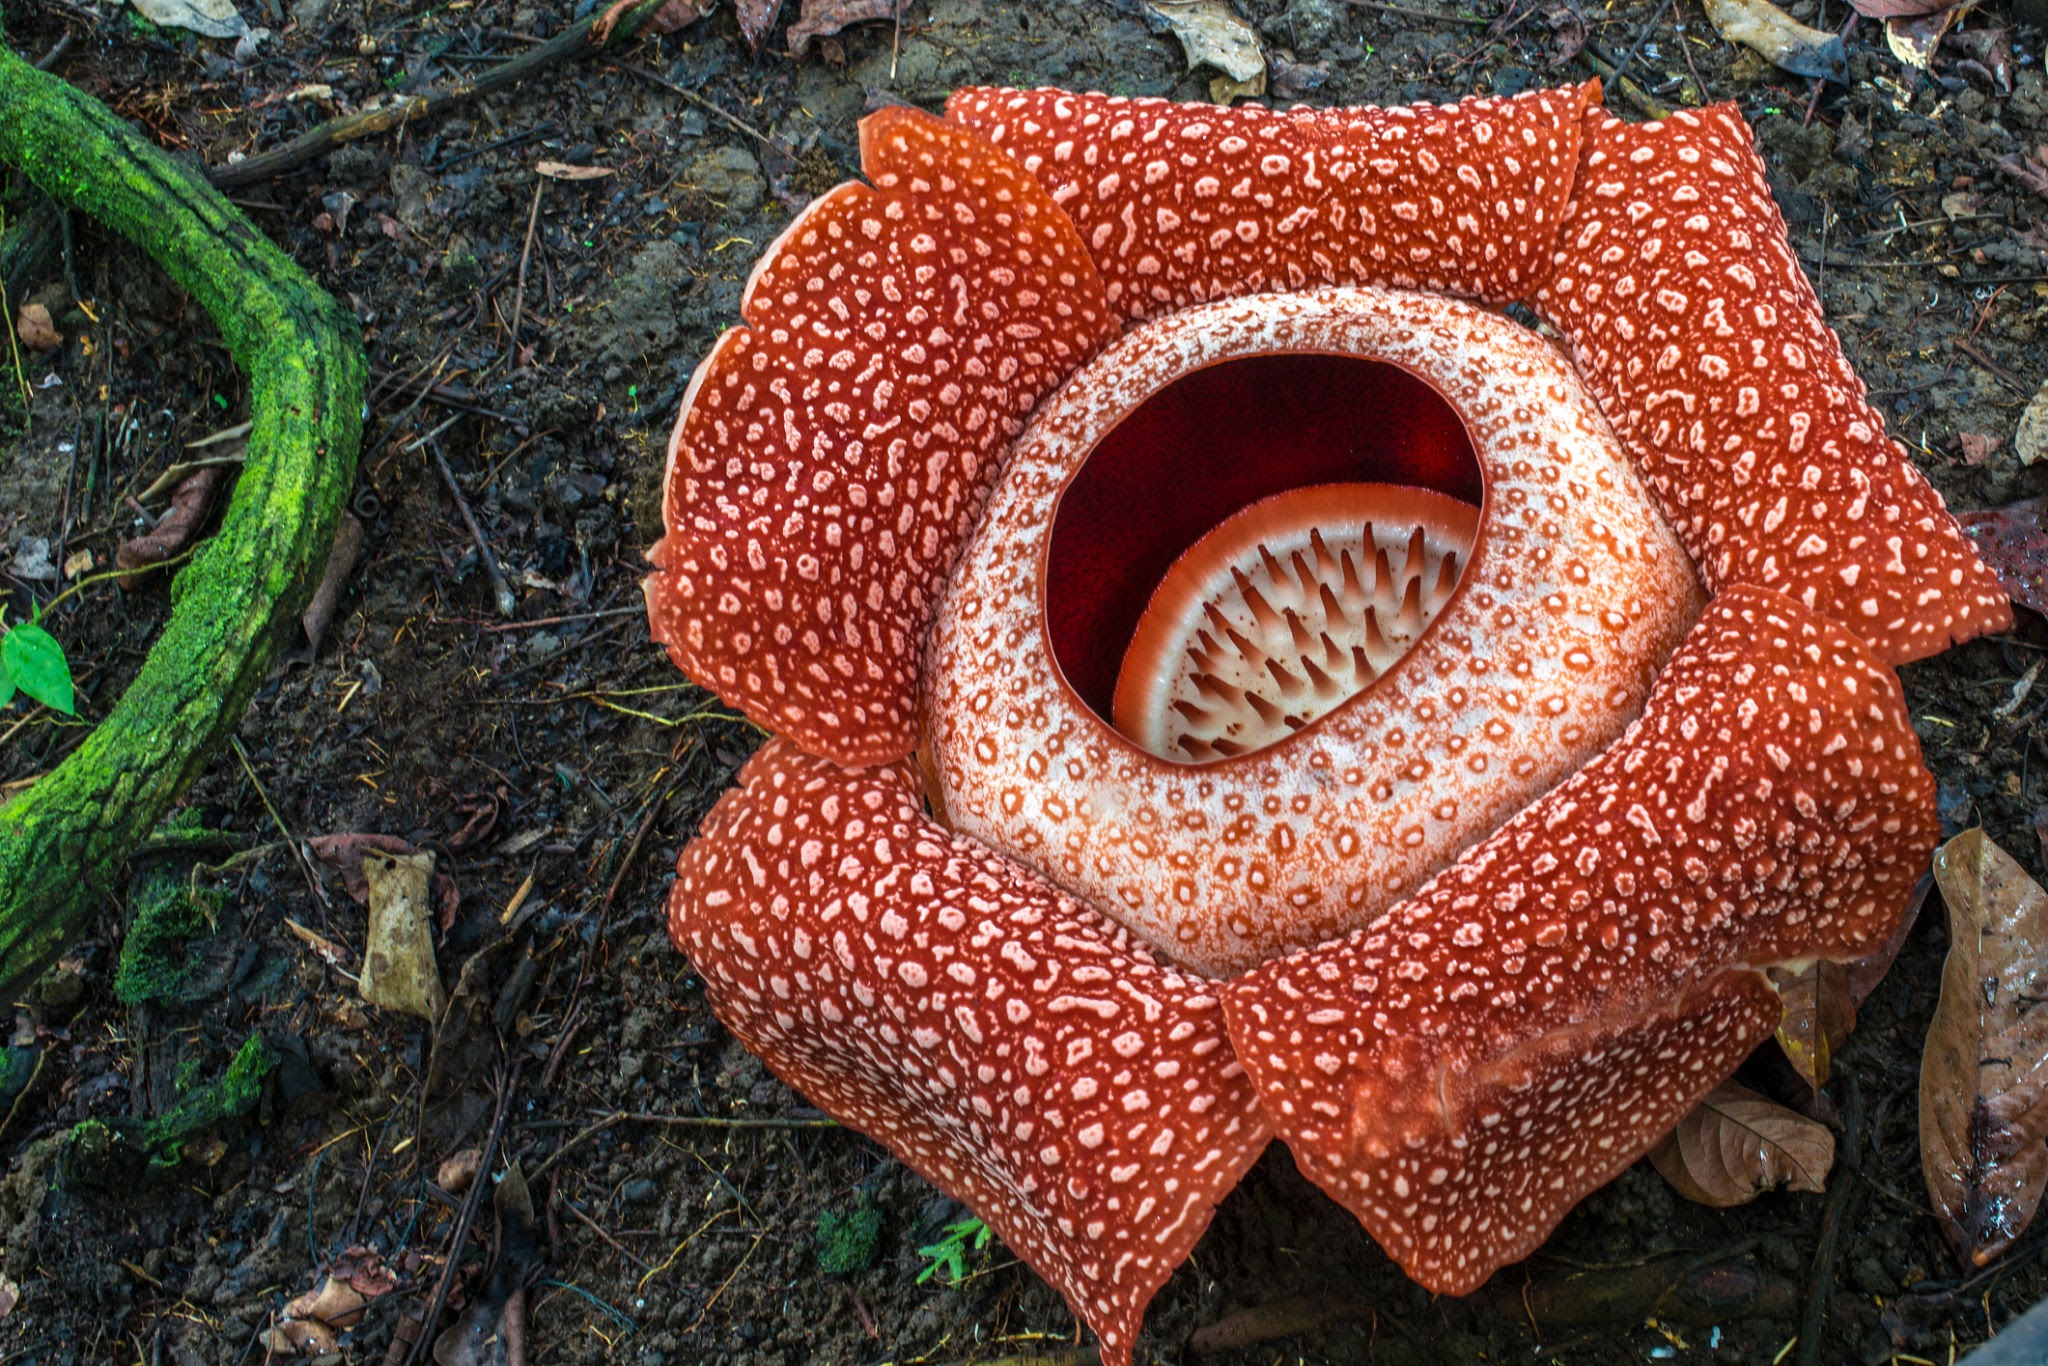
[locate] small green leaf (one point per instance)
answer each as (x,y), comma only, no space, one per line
(35,662)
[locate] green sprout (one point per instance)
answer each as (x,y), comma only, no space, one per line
(33,663)
(951,1251)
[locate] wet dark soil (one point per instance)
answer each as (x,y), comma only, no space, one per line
(555,762)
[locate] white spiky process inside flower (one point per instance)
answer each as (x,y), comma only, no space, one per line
(1285,611)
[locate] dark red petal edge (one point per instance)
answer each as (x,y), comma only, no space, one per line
(1180,204)
(1467,1070)
(832,455)
(1019,1051)
(1693,325)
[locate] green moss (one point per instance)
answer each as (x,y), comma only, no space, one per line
(199,1107)
(155,964)
(846,1242)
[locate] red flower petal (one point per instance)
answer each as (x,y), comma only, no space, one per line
(1007,1042)
(1180,204)
(1468,1069)
(1694,326)
(832,455)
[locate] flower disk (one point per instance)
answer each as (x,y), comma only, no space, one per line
(1001,1038)
(1507,1041)
(831,456)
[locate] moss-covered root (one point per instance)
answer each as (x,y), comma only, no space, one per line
(63,841)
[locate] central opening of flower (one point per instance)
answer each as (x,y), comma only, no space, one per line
(1254,543)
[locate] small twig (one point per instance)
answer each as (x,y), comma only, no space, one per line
(1833,1215)
(26,1087)
(598,1229)
(540,185)
(592,1130)
(305,865)
(423,1345)
(1382,6)
(507,602)
(765,139)
(574,42)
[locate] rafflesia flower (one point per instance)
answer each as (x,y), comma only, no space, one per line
(1230,681)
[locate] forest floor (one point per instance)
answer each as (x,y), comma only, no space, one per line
(556,761)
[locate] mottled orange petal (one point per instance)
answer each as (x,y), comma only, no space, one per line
(1019,1051)
(1467,1070)
(1181,203)
(832,455)
(1692,323)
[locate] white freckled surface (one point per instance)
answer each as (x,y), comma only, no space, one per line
(1034,1119)
(1182,204)
(1734,395)
(1576,593)
(815,496)
(1606,1002)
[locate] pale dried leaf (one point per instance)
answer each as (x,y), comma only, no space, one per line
(399,971)
(1780,39)
(1212,34)
(562,170)
(1984,1074)
(32,324)
(2030,442)
(1913,38)
(209,18)
(1736,1144)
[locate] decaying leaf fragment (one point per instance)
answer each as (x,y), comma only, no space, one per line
(1821,1002)
(1984,1075)
(399,971)
(1737,1144)
(1212,34)
(1780,39)
(823,18)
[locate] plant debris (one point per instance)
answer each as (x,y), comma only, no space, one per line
(1736,1144)
(1984,1075)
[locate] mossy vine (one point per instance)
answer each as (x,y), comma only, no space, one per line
(62,842)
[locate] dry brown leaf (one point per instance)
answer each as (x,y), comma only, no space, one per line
(1914,37)
(1736,1144)
(1899,9)
(179,527)
(823,18)
(1984,1074)
(757,17)
(1818,1016)
(32,324)
(1821,1003)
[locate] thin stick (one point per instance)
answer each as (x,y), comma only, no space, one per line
(574,42)
(540,184)
(305,866)
(507,602)
(1420,13)
(590,1131)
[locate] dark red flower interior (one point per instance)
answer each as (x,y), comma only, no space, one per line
(1208,445)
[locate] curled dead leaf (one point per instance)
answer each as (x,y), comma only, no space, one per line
(1736,1144)
(823,18)
(1780,39)
(178,528)
(1984,1074)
